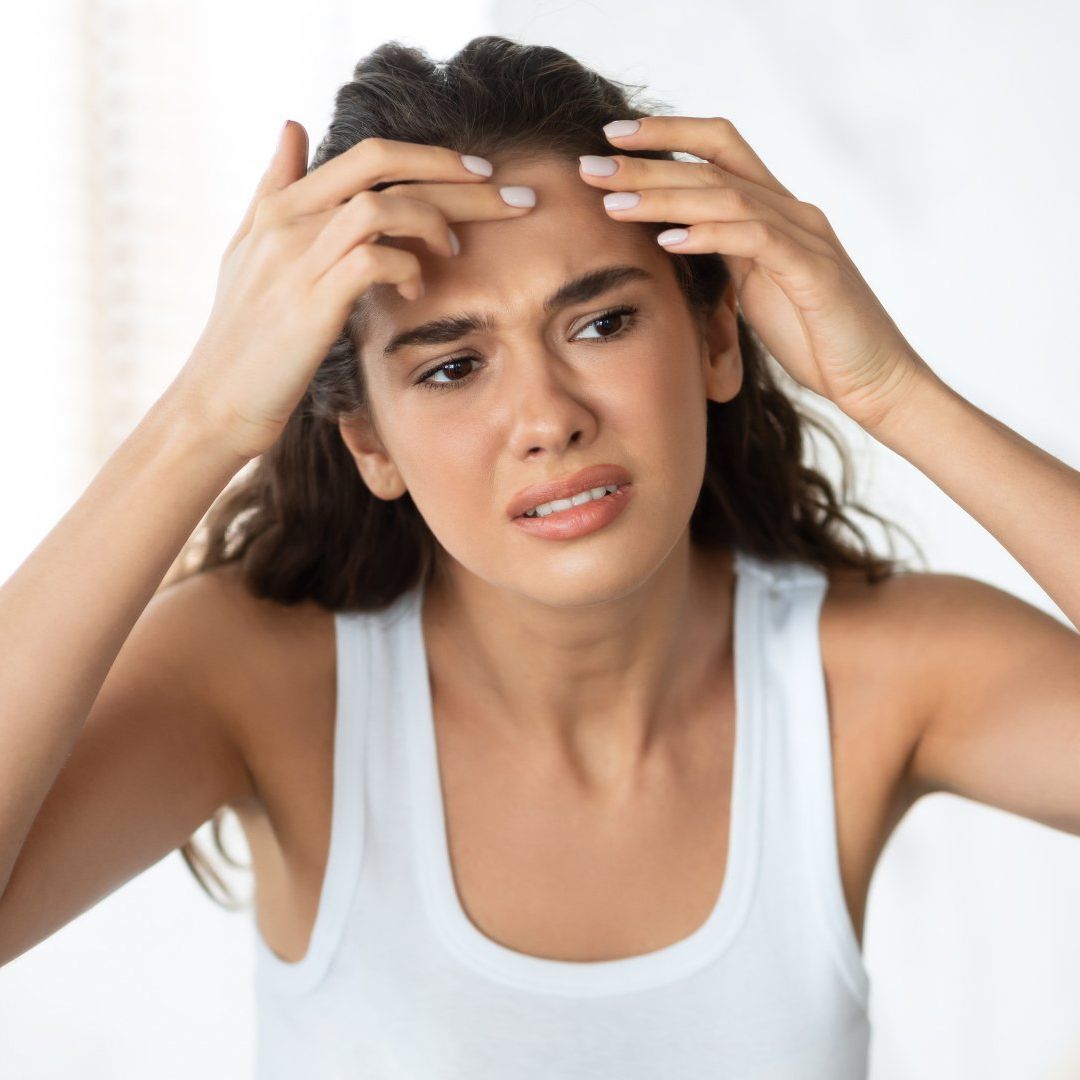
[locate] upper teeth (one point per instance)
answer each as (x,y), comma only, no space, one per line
(564,504)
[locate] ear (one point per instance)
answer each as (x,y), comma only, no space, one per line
(720,353)
(378,471)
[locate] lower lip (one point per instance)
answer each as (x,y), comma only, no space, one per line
(578,520)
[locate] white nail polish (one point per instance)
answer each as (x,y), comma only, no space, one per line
(596,165)
(516,195)
(480,166)
(672,236)
(621,200)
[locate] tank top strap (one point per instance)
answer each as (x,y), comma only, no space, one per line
(800,845)
(354,663)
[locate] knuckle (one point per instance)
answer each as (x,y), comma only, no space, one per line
(818,219)
(710,174)
(723,124)
(365,205)
(815,217)
(375,148)
(762,233)
(434,219)
(274,242)
(739,201)
(269,210)
(365,259)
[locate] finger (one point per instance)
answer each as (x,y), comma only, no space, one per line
(472,202)
(634,174)
(713,138)
(691,206)
(768,245)
(366,265)
(455,202)
(288,164)
(368,215)
(377,161)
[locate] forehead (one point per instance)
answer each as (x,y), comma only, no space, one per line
(510,265)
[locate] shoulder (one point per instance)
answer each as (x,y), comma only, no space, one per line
(919,612)
(938,642)
(262,662)
(901,621)
(215,609)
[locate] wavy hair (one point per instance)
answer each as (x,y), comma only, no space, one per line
(299,518)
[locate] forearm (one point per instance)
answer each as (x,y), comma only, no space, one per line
(1025,497)
(67,610)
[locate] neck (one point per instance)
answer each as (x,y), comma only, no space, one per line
(598,684)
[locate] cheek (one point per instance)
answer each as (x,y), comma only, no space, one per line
(448,466)
(663,415)
(664,388)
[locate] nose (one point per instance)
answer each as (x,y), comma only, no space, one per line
(549,405)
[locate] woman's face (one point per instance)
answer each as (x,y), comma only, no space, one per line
(544,393)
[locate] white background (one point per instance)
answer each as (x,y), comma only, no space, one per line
(940,140)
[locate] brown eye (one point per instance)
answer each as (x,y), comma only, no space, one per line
(609,319)
(622,315)
(439,384)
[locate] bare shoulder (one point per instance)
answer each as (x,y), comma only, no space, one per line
(934,624)
(240,622)
(939,647)
(892,629)
(269,666)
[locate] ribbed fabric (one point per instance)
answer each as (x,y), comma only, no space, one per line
(399,983)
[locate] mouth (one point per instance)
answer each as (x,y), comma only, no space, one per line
(562,506)
(578,519)
(559,494)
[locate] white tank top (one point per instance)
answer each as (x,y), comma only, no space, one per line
(399,983)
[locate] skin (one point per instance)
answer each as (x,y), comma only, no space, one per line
(936,682)
(589,645)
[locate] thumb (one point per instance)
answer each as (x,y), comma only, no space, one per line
(289,163)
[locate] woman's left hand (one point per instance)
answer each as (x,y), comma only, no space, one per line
(795,283)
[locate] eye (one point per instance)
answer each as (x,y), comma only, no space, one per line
(625,315)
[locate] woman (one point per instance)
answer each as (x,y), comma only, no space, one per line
(564,725)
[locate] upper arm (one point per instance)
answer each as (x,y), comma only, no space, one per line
(1003,726)
(155,759)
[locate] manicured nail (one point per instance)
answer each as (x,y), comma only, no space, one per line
(518,196)
(673,236)
(594,165)
(455,243)
(478,165)
(617,128)
(621,200)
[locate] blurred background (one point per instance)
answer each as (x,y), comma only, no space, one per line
(941,142)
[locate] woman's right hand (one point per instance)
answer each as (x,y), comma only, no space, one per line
(304,253)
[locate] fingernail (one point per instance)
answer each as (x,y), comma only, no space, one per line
(518,196)
(617,128)
(621,200)
(673,236)
(594,165)
(478,165)
(455,243)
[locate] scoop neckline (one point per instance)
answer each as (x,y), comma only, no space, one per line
(587,977)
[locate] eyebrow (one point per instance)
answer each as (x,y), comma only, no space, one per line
(578,290)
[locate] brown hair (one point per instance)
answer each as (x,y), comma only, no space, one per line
(301,521)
